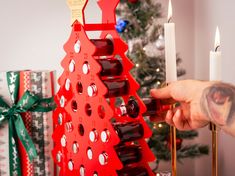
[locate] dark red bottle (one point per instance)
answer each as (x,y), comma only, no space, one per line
(132,109)
(157,106)
(104,47)
(130,131)
(133,171)
(110,67)
(154,107)
(129,154)
(116,88)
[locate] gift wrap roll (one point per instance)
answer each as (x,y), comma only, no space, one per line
(38,124)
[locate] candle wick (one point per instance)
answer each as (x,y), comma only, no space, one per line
(217,47)
(169,20)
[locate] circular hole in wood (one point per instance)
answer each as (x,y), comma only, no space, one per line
(82,170)
(69,127)
(92,90)
(93,135)
(105,136)
(74,106)
(88,109)
(81,129)
(77,47)
(85,68)
(70,165)
(60,119)
(101,111)
(75,147)
(79,88)
(72,66)
(89,153)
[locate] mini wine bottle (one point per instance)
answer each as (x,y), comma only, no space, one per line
(104,47)
(129,154)
(154,107)
(130,131)
(109,67)
(115,88)
(133,171)
(157,106)
(132,109)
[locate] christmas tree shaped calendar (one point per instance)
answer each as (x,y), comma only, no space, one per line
(91,137)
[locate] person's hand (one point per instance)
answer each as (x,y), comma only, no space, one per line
(189,115)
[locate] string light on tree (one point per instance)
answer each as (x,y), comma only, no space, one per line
(155,126)
(158,70)
(160,125)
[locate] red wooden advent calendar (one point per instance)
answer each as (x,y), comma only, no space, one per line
(90,137)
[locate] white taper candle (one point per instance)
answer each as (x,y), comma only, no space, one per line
(170,51)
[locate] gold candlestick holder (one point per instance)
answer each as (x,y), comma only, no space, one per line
(173,140)
(214,138)
(173,150)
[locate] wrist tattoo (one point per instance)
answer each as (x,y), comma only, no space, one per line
(218,103)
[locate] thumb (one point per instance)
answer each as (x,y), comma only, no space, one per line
(161,93)
(176,90)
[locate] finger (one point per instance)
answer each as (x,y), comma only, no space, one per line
(180,121)
(169,118)
(161,93)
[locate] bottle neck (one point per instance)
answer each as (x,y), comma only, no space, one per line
(122,110)
(92,90)
(131,109)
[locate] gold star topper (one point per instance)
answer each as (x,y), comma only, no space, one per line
(76,7)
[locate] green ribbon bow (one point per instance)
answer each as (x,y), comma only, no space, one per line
(17,130)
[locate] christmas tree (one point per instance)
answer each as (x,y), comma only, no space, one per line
(139,26)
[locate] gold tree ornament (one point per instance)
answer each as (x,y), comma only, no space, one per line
(76,7)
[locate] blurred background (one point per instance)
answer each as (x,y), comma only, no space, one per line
(33,32)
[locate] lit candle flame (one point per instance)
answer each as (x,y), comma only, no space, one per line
(217,39)
(169,11)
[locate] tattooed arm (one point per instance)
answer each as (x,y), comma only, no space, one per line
(201,102)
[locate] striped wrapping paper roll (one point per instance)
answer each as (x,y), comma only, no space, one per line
(38,124)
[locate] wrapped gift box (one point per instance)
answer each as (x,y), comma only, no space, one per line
(38,124)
